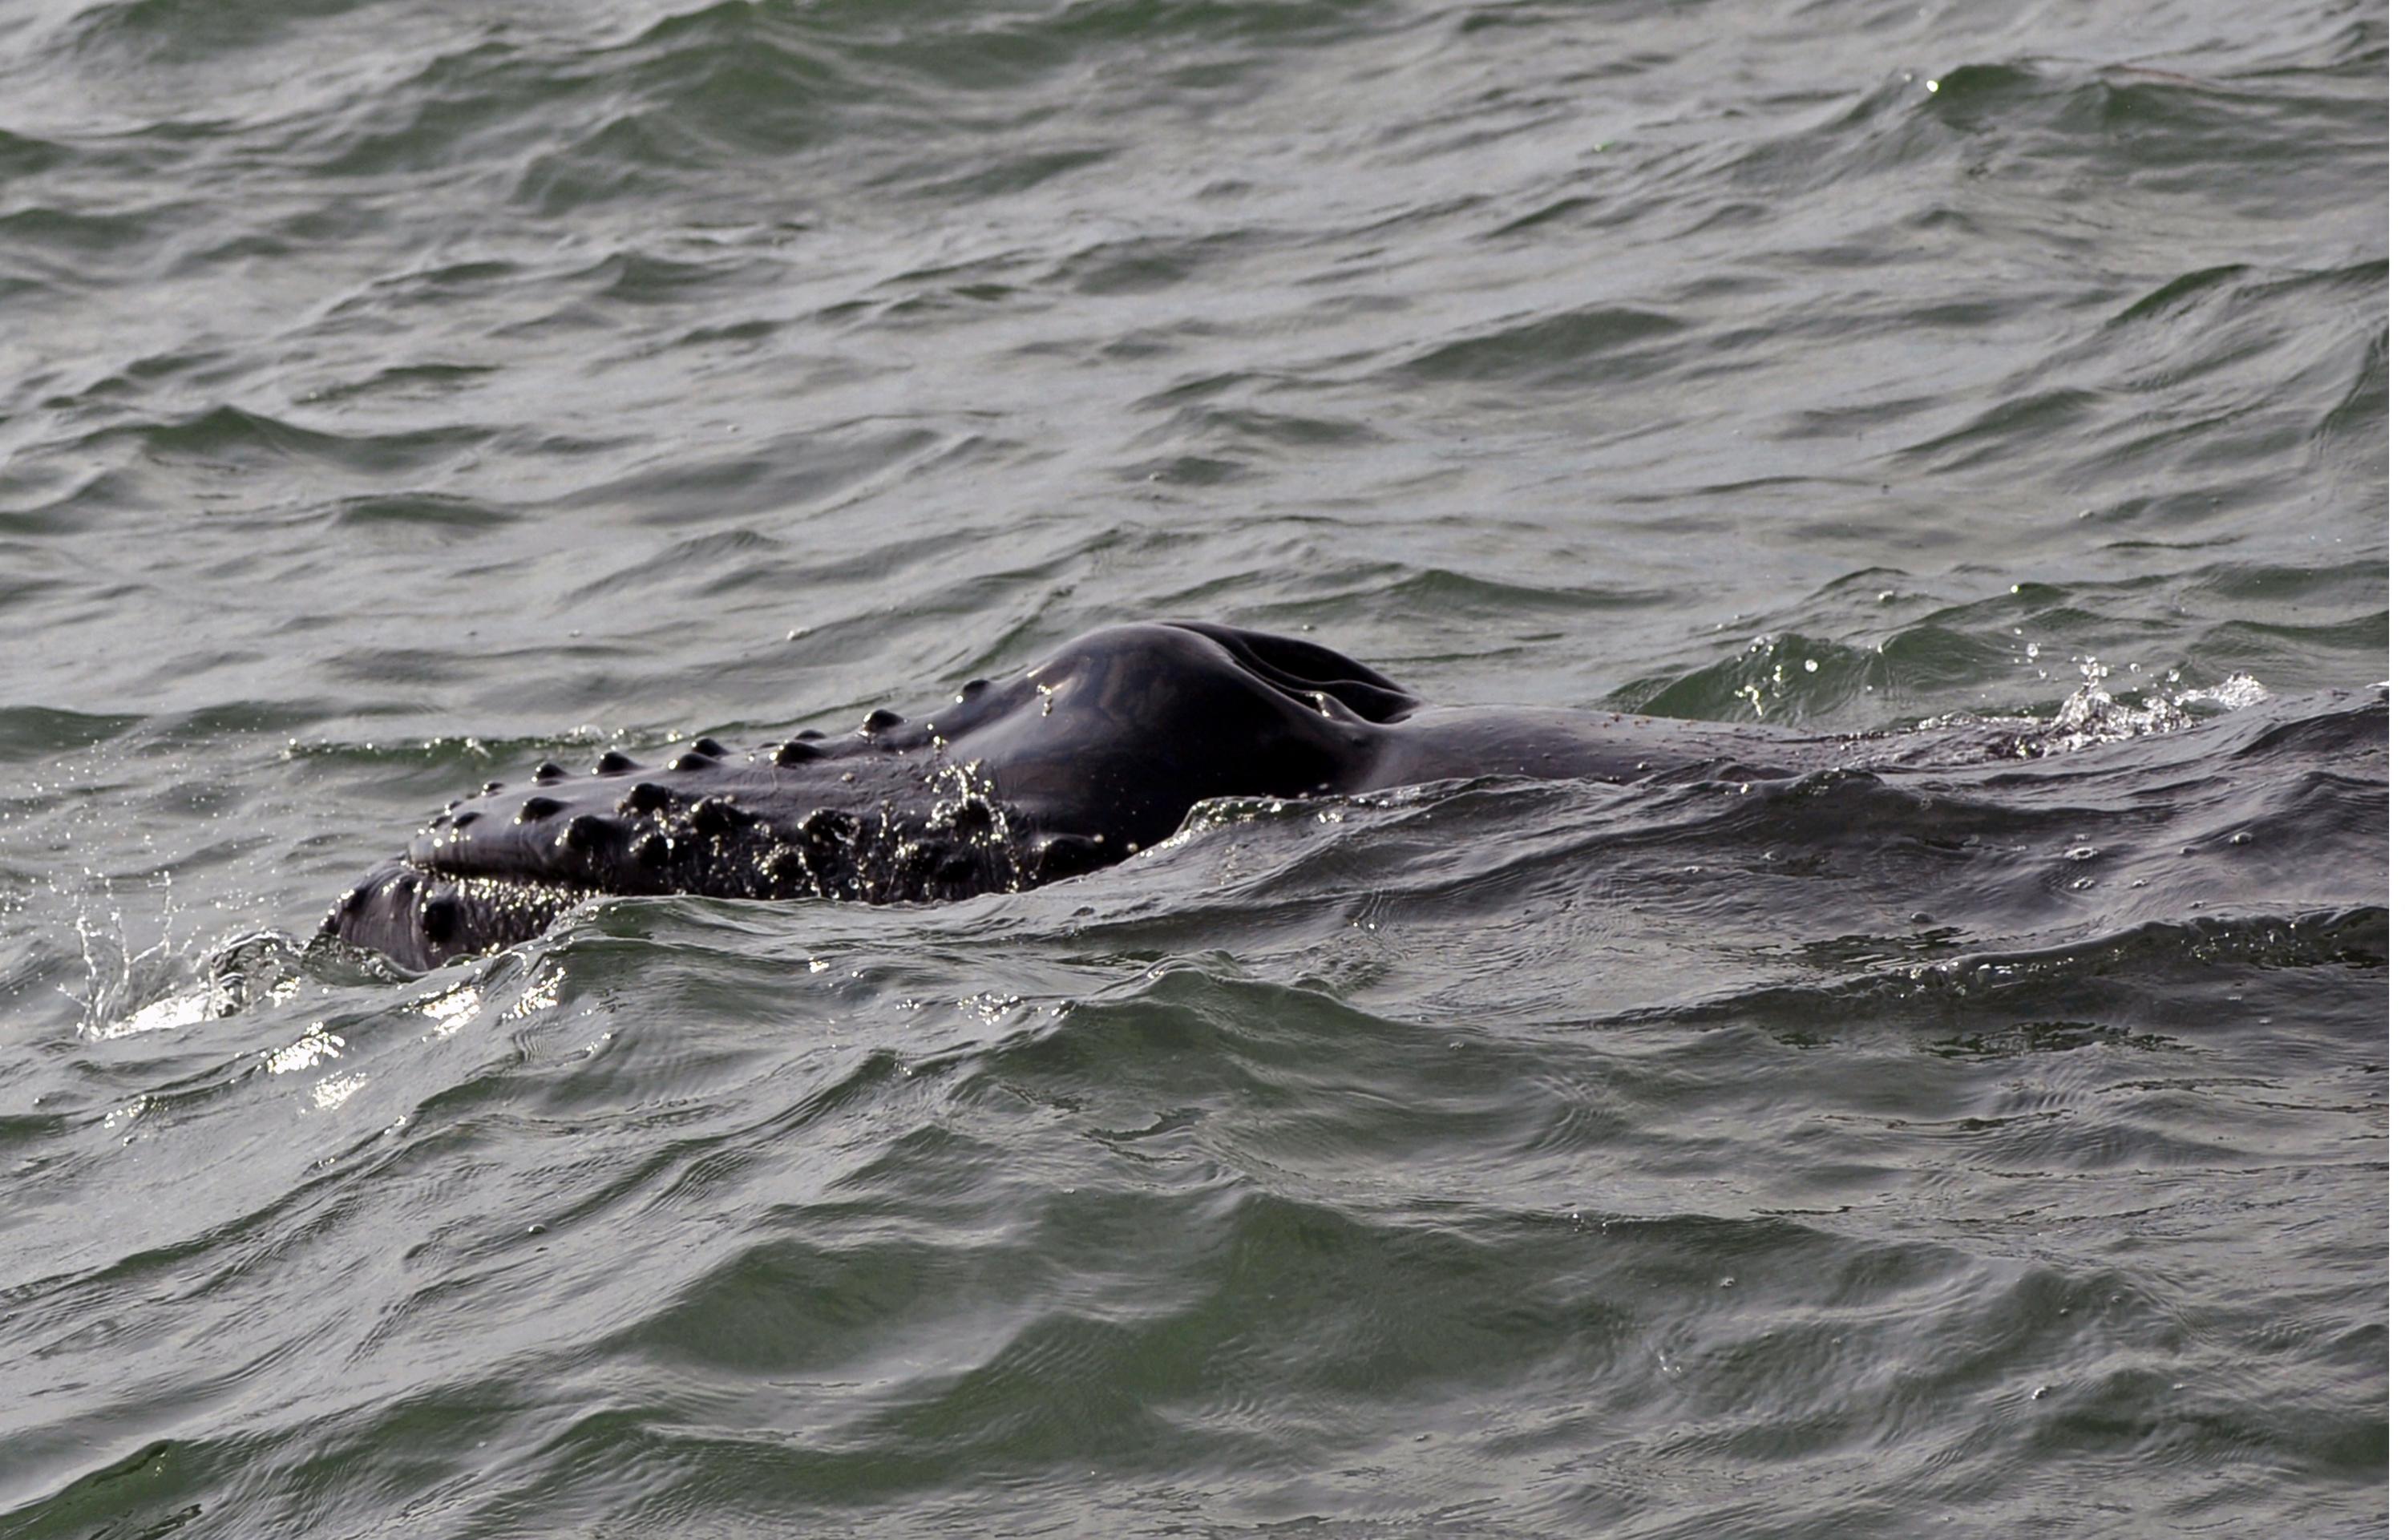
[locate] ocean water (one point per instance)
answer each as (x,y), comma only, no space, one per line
(394,395)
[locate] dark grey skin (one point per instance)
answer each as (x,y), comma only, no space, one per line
(1088,756)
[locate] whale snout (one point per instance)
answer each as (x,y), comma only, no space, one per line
(1094,753)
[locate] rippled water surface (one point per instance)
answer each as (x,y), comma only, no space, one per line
(393,395)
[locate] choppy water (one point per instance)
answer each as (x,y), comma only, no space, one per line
(391,396)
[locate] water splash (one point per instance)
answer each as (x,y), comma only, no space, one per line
(118,970)
(2093,714)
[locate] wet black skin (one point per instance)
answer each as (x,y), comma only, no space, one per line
(1079,761)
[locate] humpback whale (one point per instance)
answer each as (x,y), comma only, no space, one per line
(1088,757)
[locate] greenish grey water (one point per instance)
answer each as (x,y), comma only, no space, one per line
(392,397)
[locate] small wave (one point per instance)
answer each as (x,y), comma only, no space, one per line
(1579,347)
(2060,997)
(231,435)
(1800,680)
